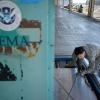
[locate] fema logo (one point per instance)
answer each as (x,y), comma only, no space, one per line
(7,16)
(10,16)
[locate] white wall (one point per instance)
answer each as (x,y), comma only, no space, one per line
(59,3)
(66,2)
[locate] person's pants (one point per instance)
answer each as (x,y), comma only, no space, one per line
(94,84)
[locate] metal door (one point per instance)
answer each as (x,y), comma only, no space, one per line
(26,49)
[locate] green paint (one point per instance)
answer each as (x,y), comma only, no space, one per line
(24,41)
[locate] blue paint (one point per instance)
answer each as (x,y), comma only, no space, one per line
(30,1)
(63,58)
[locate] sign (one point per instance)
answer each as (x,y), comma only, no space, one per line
(10,16)
(18,45)
(24,41)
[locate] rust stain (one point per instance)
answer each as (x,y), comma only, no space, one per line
(8,50)
(30,24)
(34,44)
(23,49)
(1,49)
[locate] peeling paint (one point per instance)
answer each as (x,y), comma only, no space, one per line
(6,74)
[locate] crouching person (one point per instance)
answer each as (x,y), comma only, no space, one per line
(88,55)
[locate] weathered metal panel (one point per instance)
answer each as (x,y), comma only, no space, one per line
(27,52)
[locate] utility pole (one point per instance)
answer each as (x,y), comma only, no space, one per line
(63,3)
(70,5)
(91,8)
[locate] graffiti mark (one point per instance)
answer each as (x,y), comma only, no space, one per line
(21,70)
(21,98)
(21,74)
(6,74)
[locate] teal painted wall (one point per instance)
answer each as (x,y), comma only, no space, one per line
(35,75)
